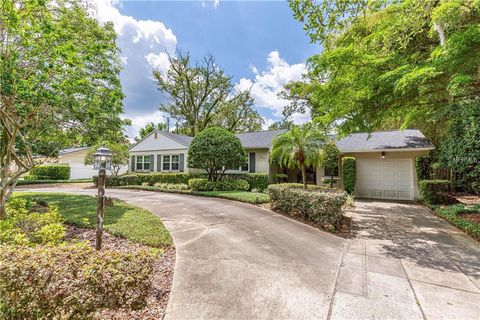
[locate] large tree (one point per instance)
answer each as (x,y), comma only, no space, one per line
(59,74)
(149,128)
(298,148)
(391,64)
(201,95)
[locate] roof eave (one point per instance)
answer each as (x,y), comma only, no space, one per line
(388,150)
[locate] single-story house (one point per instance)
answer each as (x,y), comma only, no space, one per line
(75,157)
(385,160)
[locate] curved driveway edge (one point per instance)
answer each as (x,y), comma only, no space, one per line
(239,261)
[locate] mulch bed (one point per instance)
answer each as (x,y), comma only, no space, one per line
(343,229)
(161,277)
(465,198)
(473,217)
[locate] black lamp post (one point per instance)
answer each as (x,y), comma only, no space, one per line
(102,161)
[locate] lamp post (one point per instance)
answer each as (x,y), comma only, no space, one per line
(102,161)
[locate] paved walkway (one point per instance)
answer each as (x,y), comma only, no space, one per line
(238,261)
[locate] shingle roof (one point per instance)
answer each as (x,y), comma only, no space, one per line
(70,150)
(384,140)
(185,140)
(259,139)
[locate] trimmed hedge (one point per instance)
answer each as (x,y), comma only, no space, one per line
(313,204)
(433,191)
(423,167)
(71,281)
(29,182)
(278,178)
(222,185)
(49,172)
(148,178)
(348,174)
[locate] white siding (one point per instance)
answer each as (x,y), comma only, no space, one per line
(156,142)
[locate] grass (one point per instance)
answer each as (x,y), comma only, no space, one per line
(453,213)
(242,196)
(123,220)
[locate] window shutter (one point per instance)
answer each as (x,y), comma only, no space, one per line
(132,163)
(181,165)
(159,162)
(251,162)
(152,161)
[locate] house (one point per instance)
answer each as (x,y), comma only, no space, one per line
(75,157)
(385,160)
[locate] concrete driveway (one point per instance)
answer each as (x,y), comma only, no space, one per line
(238,261)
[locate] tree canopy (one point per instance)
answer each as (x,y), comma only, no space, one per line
(201,95)
(120,155)
(150,127)
(390,64)
(215,150)
(59,83)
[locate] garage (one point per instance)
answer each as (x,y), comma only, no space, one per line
(385,179)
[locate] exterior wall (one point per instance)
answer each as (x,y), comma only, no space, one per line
(156,153)
(78,170)
(156,142)
(262,157)
(411,155)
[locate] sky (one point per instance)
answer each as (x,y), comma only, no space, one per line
(258,43)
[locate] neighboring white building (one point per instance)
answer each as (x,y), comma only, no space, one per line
(385,160)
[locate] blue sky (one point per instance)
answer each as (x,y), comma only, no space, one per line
(258,43)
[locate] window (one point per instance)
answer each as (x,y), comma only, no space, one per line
(170,162)
(143,163)
(331,173)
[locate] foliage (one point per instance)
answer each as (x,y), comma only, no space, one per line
(313,204)
(71,281)
(27,223)
(423,167)
(223,185)
(242,196)
(278,178)
(298,148)
(390,64)
(202,95)
(348,174)
(148,178)
(460,150)
(350,201)
(257,181)
(30,181)
(50,172)
(453,213)
(329,158)
(149,128)
(282,124)
(173,186)
(120,155)
(214,150)
(59,83)
(432,191)
(121,219)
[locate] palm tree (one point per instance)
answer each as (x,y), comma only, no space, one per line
(298,148)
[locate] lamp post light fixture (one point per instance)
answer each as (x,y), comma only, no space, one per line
(102,161)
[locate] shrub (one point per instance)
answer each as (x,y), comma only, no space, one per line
(172,186)
(27,225)
(278,178)
(257,181)
(222,185)
(433,191)
(71,281)
(423,167)
(313,204)
(50,172)
(148,178)
(454,213)
(348,174)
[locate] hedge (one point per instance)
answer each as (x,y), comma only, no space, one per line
(348,174)
(313,204)
(423,167)
(49,172)
(223,185)
(29,182)
(433,191)
(71,281)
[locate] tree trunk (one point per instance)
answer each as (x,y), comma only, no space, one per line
(331,182)
(3,202)
(304,175)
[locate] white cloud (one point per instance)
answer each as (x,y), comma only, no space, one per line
(266,84)
(216,3)
(144,45)
(140,121)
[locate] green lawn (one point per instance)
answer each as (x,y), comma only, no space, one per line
(121,220)
(242,196)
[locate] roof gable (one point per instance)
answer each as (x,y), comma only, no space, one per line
(161,140)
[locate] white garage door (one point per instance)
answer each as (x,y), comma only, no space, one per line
(385,179)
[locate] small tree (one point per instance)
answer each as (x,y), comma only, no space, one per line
(298,148)
(119,158)
(150,127)
(214,150)
(329,158)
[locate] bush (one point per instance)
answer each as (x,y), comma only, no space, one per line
(433,191)
(312,204)
(27,225)
(71,281)
(454,214)
(148,178)
(348,174)
(423,167)
(259,181)
(49,172)
(172,186)
(222,185)
(278,178)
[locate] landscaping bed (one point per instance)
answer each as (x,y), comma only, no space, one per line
(49,269)
(465,217)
